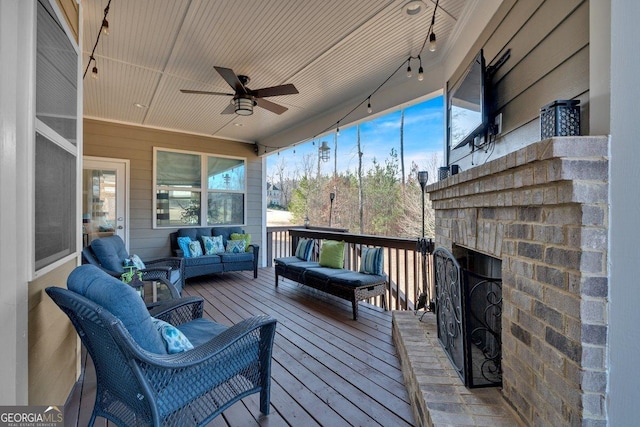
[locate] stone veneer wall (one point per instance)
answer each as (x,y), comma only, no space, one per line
(543,210)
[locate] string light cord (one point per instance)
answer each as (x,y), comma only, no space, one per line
(93,51)
(336,125)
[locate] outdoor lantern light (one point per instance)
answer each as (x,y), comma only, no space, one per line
(244,105)
(425,247)
(324,151)
(332,197)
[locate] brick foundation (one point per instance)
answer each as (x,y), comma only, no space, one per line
(542,210)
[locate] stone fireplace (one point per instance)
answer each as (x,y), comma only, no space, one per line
(543,211)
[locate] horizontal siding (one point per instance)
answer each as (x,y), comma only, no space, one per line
(106,139)
(549,60)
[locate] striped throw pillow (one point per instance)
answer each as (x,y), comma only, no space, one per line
(371,261)
(303,250)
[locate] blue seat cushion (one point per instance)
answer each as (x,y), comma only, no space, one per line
(325,273)
(199,331)
(174,278)
(356,280)
(110,252)
(236,257)
(300,267)
(203,260)
(119,299)
(288,260)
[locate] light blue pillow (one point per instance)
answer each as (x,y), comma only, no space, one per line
(303,251)
(137,262)
(213,245)
(195,250)
(236,246)
(371,261)
(183,242)
(174,340)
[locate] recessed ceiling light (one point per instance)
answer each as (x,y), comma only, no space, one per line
(238,124)
(414,7)
(137,104)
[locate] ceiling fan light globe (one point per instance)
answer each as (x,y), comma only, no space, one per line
(244,106)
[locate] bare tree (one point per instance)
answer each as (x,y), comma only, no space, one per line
(360,186)
(402,150)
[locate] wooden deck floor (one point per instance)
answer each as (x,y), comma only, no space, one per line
(327,369)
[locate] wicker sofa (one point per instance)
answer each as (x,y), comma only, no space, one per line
(343,283)
(218,263)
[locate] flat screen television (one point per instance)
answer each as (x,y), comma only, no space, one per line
(467,105)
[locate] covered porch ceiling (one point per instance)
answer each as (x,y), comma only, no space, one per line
(336,53)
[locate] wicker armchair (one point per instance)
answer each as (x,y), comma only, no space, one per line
(108,253)
(137,385)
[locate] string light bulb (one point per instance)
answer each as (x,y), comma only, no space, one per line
(105,27)
(369,110)
(432,42)
(338,129)
(420,70)
(409,73)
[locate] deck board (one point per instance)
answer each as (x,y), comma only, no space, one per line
(327,369)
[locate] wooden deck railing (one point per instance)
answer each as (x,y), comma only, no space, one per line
(402,263)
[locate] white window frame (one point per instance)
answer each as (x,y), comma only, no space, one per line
(203,190)
(75,150)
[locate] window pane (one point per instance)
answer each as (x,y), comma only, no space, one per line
(56,75)
(178,169)
(225,208)
(55,201)
(225,174)
(176,208)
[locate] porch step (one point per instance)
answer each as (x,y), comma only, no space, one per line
(438,396)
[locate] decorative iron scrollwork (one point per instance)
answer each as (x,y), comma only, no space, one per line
(469,318)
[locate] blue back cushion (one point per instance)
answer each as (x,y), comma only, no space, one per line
(110,252)
(226,232)
(121,300)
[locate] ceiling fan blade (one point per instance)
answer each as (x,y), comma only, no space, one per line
(204,92)
(230,77)
(271,106)
(287,89)
(231,109)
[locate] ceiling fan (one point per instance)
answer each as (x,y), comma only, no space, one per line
(244,99)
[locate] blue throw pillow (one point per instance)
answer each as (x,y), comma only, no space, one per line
(183,242)
(213,245)
(195,250)
(236,246)
(371,261)
(137,262)
(175,341)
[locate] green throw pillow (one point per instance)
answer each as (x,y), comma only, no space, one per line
(245,237)
(332,254)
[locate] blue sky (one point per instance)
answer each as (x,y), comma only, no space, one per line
(423,136)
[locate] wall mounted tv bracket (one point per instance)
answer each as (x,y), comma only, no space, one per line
(495,126)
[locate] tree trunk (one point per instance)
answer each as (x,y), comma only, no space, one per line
(360,189)
(402,151)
